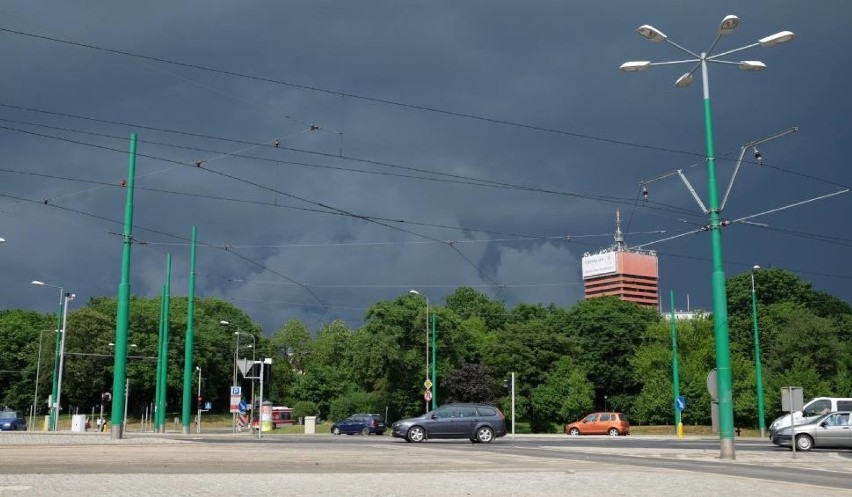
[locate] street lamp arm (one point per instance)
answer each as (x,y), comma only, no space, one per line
(690,52)
(728,62)
(740,49)
(713,45)
(673,62)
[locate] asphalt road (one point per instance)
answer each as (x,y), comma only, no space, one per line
(51,464)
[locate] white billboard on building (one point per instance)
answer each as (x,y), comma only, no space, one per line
(599,264)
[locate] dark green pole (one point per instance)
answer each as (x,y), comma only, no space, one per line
(165,373)
(123,314)
(758,370)
(720,297)
(53,410)
(675,370)
(190,337)
(434,363)
(160,363)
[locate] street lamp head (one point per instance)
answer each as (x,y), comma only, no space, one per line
(651,33)
(728,24)
(2,240)
(752,65)
(777,39)
(635,66)
(684,81)
(414,292)
(755,268)
(38,283)
(198,368)
(224,323)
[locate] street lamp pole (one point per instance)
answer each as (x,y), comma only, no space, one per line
(56,352)
(67,297)
(253,355)
(720,309)
(198,416)
(234,378)
(415,292)
(757,368)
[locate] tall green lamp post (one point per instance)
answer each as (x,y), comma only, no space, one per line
(757,369)
(720,306)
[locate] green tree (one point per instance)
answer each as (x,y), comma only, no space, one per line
(566,393)
(608,332)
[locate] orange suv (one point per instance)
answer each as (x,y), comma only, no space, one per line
(600,423)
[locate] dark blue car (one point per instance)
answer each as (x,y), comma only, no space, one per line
(364,424)
(12,420)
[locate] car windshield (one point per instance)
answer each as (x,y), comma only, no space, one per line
(9,414)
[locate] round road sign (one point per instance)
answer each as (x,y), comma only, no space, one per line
(427,395)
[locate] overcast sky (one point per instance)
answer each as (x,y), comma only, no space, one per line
(421,145)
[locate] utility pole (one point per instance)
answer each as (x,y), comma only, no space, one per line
(190,336)
(123,314)
(675,369)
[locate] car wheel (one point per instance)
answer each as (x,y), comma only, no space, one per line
(485,435)
(574,431)
(804,442)
(613,432)
(365,431)
(415,434)
(335,431)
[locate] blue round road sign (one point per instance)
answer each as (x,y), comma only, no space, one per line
(680,403)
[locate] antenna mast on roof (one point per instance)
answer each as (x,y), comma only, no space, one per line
(619,236)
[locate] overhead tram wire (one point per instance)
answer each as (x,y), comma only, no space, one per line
(258,185)
(463,179)
(342,94)
(517,236)
(150,230)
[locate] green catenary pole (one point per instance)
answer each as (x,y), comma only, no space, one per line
(53,410)
(675,369)
(761,418)
(190,337)
(720,303)
(434,363)
(123,314)
(167,289)
(160,362)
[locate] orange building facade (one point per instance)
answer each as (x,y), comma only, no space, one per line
(631,275)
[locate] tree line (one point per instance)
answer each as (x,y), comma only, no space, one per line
(567,361)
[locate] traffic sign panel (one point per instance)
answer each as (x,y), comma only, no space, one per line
(236,390)
(427,383)
(680,403)
(427,395)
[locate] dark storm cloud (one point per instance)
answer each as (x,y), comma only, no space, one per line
(549,64)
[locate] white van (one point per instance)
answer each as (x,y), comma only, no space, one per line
(810,411)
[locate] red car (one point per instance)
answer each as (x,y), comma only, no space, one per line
(600,423)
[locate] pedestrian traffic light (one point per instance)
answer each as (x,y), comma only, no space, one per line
(200,402)
(507,383)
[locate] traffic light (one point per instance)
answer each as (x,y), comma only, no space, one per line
(507,383)
(200,402)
